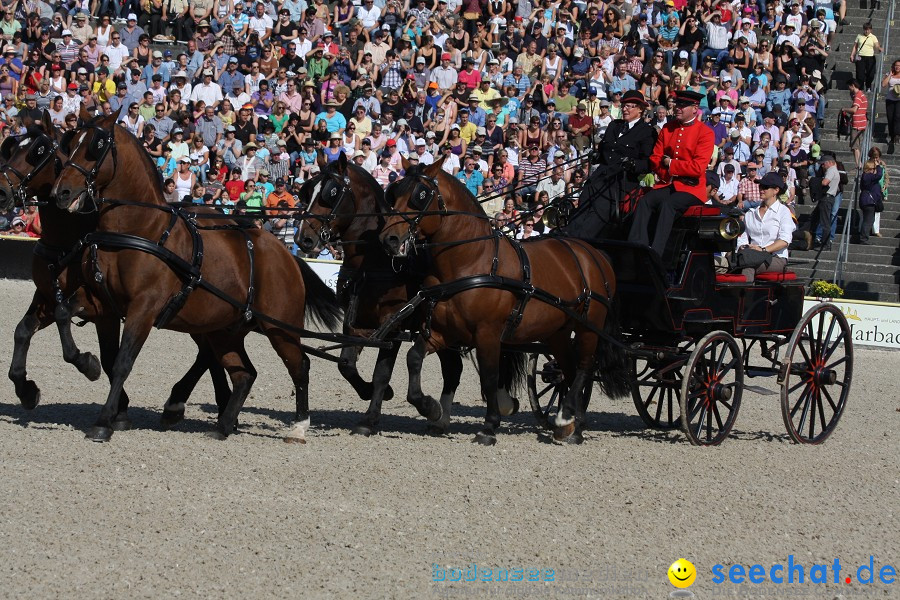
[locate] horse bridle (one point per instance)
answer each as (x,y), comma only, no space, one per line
(428,189)
(325,232)
(19,192)
(107,144)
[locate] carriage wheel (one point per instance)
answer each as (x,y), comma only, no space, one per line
(815,378)
(654,390)
(546,387)
(711,390)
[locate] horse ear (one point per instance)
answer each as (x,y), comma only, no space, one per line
(83,115)
(434,168)
(404,163)
(342,162)
(320,159)
(27,121)
(47,123)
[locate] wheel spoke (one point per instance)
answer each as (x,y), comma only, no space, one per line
(695,410)
(827,341)
(812,418)
(803,352)
(659,404)
(798,386)
(811,337)
(723,371)
(818,352)
(715,411)
(833,347)
(834,407)
(670,401)
(709,434)
(700,421)
(822,423)
(650,397)
(549,387)
(802,397)
(805,412)
(838,362)
(721,358)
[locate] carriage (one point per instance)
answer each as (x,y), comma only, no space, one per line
(694,337)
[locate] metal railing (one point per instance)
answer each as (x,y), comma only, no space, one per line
(844,247)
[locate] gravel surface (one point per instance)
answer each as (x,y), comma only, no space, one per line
(163,514)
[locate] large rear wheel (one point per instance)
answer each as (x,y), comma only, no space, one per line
(816,374)
(711,390)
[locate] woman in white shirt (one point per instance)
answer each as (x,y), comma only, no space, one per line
(768,228)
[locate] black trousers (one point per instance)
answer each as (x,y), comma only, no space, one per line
(868,220)
(865,71)
(823,212)
(669,204)
(893,118)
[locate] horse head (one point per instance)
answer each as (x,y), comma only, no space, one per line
(27,159)
(91,165)
(417,202)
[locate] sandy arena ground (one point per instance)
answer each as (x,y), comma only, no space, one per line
(163,514)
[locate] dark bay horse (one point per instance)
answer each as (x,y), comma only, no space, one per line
(495,291)
(152,265)
(30,166)
(346,205)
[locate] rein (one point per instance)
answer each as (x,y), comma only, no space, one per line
(107,144)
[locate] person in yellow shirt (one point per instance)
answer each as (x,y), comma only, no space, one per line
(467,128)
(104,88)
(863,54)
(485,93)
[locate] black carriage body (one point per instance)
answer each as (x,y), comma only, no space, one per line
(665,301)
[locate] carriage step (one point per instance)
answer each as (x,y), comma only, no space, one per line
(759,390)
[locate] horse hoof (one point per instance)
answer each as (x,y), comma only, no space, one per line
(216,435)
(170,419)
(90,367)
(388,393)
(485,438)
(294,440)
(436,429)
(514,408)
(99,433)
(364,429)
(428,407)
(121,423)
(31,396)
(563,433)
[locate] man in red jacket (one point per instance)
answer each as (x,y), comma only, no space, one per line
(679,161)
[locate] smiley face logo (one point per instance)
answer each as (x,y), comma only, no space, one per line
(682,573)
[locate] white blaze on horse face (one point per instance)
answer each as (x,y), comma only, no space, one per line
(315,194)
(24,142)
(297,431)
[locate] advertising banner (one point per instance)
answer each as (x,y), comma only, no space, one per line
(871,323)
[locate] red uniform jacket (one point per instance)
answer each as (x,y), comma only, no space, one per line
(690,147)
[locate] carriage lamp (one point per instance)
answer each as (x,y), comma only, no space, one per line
(730,228)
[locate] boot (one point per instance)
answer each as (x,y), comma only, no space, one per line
(890,148)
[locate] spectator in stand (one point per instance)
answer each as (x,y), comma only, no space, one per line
(870,198)
(863,53)
(860,118)
(891,85)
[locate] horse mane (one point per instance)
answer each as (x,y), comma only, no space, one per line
(446,179)
(156,182)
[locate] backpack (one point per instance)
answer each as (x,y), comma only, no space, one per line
(843,127)
(844,180)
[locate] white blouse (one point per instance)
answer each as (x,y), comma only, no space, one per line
(776,224)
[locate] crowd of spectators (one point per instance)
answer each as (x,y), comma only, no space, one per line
(238,101)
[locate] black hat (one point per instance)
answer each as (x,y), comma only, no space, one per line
(636,97)
(773,180)
(687,98)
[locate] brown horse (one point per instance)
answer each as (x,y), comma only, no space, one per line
(153,265)
(490,291)
(31,162)
(346,205)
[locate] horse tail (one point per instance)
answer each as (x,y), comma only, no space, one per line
(513,369)
(321,301)
(612,370)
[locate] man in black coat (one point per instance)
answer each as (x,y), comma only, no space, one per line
(623,156)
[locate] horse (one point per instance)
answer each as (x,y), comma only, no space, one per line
(153,265)
(345,203)
(33,161)
(482,285)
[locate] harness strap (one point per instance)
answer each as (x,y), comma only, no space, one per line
(248,311)
(515,317)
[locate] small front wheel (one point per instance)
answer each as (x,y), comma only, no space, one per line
(711,390)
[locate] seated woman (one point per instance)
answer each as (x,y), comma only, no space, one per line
(768,228)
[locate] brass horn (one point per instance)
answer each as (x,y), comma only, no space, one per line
(551,218)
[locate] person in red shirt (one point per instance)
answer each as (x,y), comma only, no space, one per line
(859,112)
(679,160)
(235,185)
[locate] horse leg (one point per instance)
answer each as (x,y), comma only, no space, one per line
(508,405)
(348,369)
(137,328)
(27,391)
(231,356)
(292,355)
(488,355)
(451,371)
(108,338)
(173,411)
(384,366)
(86,363)
(572,412)
(427,406)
